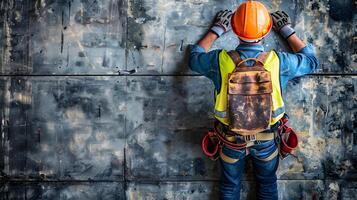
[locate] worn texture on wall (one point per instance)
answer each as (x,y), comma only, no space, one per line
(76,125)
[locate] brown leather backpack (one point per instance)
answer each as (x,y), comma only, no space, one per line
(249,96)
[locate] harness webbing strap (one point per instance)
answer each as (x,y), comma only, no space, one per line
(226,158)
(222,139)
(271,157)
(229,140)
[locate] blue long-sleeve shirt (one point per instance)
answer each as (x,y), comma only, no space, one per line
(291,64)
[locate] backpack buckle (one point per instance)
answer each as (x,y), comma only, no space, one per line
(250,138)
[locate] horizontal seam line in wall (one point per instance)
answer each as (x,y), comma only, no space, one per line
(78,75)
(153,181)
(84,75)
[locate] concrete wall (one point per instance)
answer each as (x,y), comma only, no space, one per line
(74,126)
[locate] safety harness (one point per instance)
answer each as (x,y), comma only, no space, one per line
(215,139)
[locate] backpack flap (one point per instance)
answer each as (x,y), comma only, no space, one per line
(250,83)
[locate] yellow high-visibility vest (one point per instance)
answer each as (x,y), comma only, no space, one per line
(226,66)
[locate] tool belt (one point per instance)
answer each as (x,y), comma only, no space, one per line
(221,135)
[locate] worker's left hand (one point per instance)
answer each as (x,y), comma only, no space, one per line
(222,23)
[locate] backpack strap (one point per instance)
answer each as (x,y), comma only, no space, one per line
(257,62)
(238,60)
(262,56)
(235,57)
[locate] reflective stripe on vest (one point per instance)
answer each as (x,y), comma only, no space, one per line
(226,66)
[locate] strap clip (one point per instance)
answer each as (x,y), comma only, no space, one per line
(250,138)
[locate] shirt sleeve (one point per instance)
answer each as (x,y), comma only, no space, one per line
(293,65)
(205,63)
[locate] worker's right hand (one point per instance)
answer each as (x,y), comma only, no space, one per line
(222,23)
(281,24)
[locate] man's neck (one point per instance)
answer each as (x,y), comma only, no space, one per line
(249,43)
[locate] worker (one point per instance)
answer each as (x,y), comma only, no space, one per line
(251,22)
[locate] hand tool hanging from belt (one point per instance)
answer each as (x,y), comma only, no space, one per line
(288,139)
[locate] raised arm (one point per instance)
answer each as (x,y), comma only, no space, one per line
(207,41)
(204,61)
(295,43)
(303,60)
(222,25)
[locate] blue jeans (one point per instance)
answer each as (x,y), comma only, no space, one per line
(264,171)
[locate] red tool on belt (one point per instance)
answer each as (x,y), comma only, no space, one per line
(213,140)
(210,145)
(288,138)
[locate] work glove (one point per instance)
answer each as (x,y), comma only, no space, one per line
(281,24)
(222,22)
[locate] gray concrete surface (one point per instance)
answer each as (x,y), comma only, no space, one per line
(74,126)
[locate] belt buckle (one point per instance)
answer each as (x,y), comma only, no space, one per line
(250,138)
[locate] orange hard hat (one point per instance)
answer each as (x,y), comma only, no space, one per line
(251,21)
